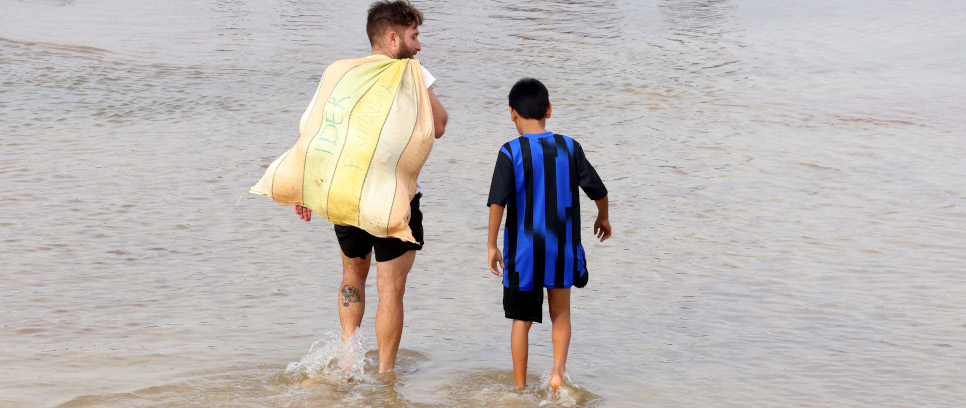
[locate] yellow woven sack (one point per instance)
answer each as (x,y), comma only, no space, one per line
(362,142)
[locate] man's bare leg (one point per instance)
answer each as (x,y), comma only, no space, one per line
(391,283)
(352,295)
(559,302)
(519,350)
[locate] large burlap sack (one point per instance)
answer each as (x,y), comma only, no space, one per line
(363,140)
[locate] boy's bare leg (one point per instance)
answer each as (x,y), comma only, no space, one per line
(352,295)
(519,342)
(391,283)
(559,302)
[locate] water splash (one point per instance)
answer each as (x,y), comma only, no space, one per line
(568,395)
(330,360)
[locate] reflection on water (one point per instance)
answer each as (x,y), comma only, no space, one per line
(785,178)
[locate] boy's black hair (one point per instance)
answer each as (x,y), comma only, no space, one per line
(529,98)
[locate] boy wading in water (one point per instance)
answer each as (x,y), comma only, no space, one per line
(535,180)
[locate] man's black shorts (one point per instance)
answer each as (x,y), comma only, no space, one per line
(523,304)
(357,243)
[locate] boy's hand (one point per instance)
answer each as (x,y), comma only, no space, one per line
(304,213)
(496,257)
(602,228)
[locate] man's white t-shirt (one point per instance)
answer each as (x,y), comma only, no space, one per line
(429,79)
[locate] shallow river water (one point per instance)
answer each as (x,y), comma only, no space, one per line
(787,185)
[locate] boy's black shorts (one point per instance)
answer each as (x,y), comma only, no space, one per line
(523,304)
(357,243)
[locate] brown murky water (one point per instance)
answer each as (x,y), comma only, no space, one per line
(786,180)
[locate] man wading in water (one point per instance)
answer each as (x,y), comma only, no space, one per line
(393,29)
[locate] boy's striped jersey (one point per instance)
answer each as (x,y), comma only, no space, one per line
(536,179)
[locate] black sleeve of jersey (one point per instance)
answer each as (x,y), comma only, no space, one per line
(587,177)
(502,185)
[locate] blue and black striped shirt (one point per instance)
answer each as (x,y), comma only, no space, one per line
(536,179)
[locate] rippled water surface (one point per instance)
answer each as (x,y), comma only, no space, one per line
(786,181)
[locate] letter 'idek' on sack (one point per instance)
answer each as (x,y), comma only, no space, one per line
(362,142)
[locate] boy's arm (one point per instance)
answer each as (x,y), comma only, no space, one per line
(494,256)
(500,188)
(588,180)
(602,225)
(587,177)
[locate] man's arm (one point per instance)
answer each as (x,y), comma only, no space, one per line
(439,114)
(493,253)
(304,212)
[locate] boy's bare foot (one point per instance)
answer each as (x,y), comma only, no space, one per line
(555,381)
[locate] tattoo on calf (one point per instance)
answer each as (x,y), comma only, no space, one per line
(350,295)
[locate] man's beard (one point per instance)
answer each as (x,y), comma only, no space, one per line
(405,52)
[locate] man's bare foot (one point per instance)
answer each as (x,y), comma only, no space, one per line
(389,377)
